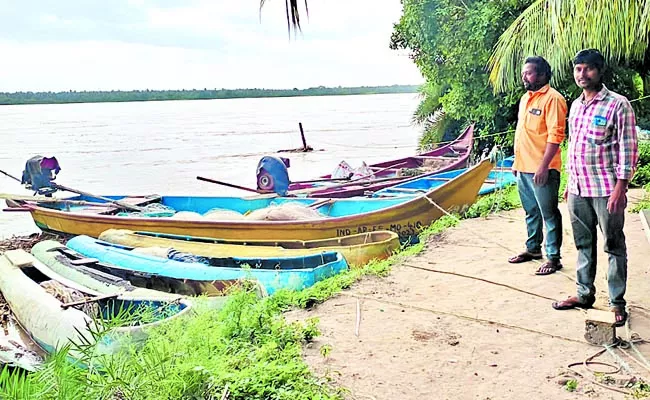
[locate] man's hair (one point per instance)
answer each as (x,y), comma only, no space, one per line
(591,57)
(541,66)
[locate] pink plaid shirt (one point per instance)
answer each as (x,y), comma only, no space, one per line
(602,144)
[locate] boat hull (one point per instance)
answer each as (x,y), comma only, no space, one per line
(406,218)
(358,250)
(59,265)
(134,264)
(460,148)
(53,327)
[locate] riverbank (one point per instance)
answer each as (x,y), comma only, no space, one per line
(425,334)
(119,96)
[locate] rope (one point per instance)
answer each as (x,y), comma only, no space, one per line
(478,279)
(465,317)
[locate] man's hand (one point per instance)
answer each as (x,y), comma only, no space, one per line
(541,176)
(566,194)
(617,200)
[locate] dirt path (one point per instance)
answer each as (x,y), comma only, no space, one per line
(418,351)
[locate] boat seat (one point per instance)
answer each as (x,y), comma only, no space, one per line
(19,258)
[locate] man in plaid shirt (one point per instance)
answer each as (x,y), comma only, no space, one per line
(601,160)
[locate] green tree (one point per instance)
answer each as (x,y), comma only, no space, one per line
(557,29)
(451,42)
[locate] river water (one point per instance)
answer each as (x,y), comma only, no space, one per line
(160,147)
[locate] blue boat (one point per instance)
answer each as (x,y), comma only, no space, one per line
(498,178)
(294,273)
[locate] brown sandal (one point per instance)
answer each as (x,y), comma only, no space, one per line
(524,257)
(549,267)
(571,303)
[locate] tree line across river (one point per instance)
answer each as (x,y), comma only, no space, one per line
(193,94)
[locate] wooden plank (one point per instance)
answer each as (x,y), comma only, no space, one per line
(19,257)
(84,261)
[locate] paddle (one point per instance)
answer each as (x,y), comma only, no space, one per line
(106,199)
(11,176)
(232,185)
(42,199)
(61,187)
(354,181)
(326,179)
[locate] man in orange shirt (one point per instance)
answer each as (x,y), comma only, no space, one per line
(540,130)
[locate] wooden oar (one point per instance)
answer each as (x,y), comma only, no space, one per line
(42,199)
(232,185)
(61,187)
(353,183)
(106,199)
(11,176)
(325,179)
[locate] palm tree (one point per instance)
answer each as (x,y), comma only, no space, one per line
(557,29)
(293,13)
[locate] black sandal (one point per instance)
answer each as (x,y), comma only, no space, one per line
(524,257)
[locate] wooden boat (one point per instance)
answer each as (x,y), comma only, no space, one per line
(357,249)
(339,217)
(54,325)
(449,157)
(273,273)
(71,268)
(498,178)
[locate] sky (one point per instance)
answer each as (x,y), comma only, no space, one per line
(59,45)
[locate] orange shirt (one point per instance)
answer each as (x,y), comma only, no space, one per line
(542,120)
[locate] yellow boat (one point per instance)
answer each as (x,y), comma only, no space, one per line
(336,218)
(358,249)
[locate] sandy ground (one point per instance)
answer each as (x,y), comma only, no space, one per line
(417,350)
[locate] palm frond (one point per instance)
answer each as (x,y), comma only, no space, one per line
(430,94)
(292,13)
(434,130)
(557,29)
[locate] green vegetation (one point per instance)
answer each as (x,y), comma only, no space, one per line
(571,385)
(247,350)
(642,175)
(205,94)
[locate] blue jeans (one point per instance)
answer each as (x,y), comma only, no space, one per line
(541,206)
(586,213)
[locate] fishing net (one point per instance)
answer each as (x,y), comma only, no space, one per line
(187,215)
(67,295)
(284,212)
(152,251)
(276,212)
(171,254)
(428,166)
(222,214)
(151,210)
